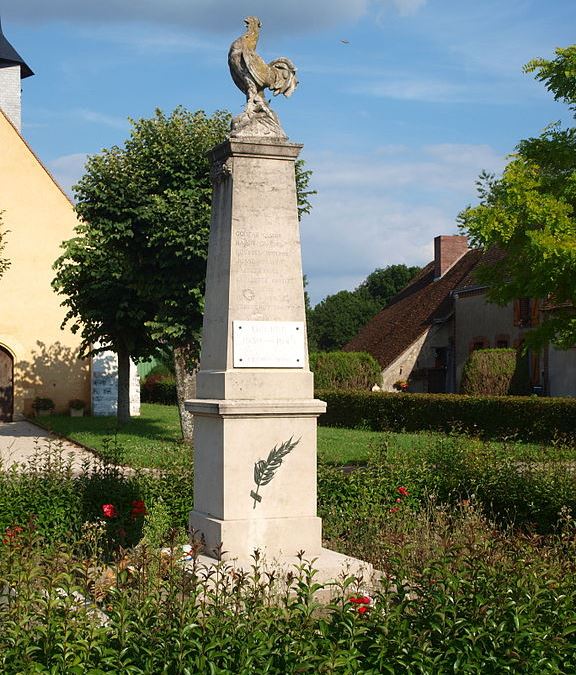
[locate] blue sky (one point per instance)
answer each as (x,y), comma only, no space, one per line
(401,103)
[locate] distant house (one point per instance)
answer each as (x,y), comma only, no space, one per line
(426,333)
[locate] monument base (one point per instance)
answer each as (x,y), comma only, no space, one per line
(273,537)
(329,568)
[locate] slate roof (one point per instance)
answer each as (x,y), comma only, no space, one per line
(412,311)
(9,55)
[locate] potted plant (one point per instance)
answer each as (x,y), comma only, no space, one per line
(43,406)
(77,406)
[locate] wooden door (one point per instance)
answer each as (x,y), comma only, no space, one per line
(6,385)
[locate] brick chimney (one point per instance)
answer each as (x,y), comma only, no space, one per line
(13,69)
(448,249)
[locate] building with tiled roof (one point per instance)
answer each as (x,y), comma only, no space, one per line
(426,333)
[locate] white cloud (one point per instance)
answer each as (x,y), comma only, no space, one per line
(385,209)
(407,7)
(103,119)
(220,16)
(409,89)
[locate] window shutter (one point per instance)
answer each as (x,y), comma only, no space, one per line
(517,312)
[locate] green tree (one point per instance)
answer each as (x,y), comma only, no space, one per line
(133,278)
(4,262)
(384,283)
(529,213)
(335,320)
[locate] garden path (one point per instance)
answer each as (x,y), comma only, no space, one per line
(20,441)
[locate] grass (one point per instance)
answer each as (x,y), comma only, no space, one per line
(153,440)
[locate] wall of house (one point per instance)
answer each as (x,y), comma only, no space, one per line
(561,380)
(478,320)
(401,368)
(415,362)
(39,217)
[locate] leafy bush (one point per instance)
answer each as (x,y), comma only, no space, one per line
(494,372)
(458,593)
(158,389)
(59,501)
(344,370)
(526,418)
(456,597)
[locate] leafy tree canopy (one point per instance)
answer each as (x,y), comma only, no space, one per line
(133,277)
(530,214)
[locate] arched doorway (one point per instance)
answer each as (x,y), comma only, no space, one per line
(6,385)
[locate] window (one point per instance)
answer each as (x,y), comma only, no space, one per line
(479,343)
(522,313)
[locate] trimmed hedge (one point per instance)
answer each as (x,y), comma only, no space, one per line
(159,391)
(495,372)
(526,418)
(344,370)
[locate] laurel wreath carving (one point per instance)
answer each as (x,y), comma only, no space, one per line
(264,469)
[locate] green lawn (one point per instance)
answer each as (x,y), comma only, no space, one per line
(153,440)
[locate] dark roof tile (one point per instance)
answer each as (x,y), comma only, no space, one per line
(412,311)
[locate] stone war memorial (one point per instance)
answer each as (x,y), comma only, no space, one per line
(255,414)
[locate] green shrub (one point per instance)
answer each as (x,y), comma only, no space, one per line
(456,597)
(157,389)
(344,370)
(59,501)
(495,372)
(161,370)
(526,418)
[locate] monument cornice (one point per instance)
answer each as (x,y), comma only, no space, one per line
(255,147)
(256,408)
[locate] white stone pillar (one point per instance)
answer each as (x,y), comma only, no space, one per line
(255,412)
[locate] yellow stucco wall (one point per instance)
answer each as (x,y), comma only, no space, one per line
(39,217)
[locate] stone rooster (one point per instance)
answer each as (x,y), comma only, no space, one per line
(253,75)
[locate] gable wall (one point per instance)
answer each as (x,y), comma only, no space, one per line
(39,217)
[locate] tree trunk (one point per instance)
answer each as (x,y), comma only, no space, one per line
(123,411)
(185,365)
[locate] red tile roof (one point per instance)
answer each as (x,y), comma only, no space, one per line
(410,313)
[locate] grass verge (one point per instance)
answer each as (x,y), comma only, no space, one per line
(153,440)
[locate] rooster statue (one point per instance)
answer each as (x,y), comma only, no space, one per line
(253,75)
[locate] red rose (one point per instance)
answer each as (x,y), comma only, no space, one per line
(363,609)
(403,491)
(138,508)
(109,510)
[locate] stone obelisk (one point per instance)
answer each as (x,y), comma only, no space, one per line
(255,414)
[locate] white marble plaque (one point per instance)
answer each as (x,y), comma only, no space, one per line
(268,344)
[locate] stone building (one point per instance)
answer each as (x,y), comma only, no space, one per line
(37,358)
(426,333)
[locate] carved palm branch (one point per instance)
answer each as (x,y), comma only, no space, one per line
(264,469)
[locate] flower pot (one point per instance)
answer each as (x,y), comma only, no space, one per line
(76,412)
(43,413)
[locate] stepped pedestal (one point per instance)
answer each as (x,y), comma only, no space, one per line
(255,413)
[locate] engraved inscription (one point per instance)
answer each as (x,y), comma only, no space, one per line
(265,263)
